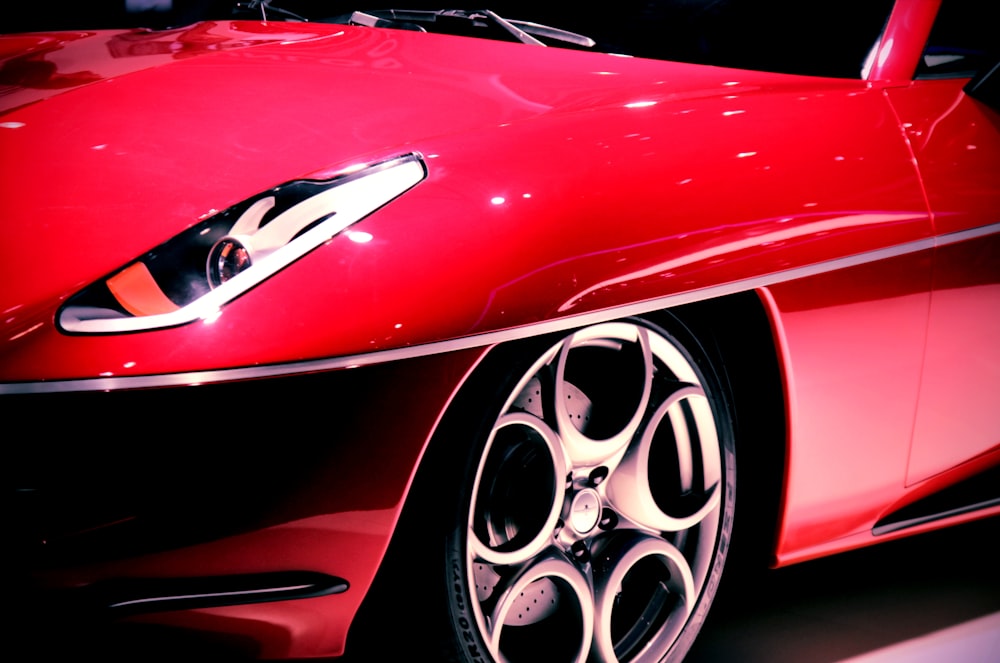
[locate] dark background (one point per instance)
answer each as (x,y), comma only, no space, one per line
(827,38)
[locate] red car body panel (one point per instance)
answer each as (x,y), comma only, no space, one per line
(633,127)
(562,187)
(899,50)
(337,522)
(955,142)
(887,304)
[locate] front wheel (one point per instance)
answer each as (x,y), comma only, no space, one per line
(595,513)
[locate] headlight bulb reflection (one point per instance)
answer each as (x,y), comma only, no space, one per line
(228,258)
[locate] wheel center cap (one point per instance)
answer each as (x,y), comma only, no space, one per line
(585,512)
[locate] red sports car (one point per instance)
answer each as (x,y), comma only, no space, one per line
(321,322)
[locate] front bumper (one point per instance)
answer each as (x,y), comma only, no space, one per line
(257,509)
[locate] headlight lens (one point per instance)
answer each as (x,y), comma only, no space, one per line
(194,274)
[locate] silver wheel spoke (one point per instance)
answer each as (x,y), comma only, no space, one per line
(685,418)
(605,428)
(520,491)
(544,600)
(643,598)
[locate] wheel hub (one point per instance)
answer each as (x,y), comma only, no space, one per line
(585,511)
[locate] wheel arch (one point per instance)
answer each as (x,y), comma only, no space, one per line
(736,334)
(732,332)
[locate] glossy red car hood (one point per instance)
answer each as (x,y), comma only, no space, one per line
(112,142)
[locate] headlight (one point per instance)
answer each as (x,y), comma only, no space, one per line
(194,274)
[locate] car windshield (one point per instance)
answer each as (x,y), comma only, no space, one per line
(820,38)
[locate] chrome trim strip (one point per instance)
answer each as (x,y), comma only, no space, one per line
(246,594)
(889,528)
(143,595)
(965,235)
(491,338)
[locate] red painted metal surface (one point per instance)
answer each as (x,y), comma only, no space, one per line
(559,184)
(957,147)
(852,391)
(896,57)
(337,520)
(629,131)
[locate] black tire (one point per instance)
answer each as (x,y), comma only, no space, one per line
(595,503)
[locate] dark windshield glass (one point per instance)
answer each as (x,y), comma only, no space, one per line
(819,38)
(962,42)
